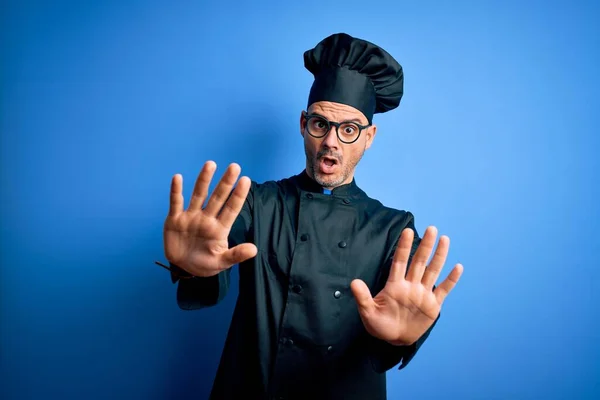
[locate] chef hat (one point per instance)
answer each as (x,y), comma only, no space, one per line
(354,72)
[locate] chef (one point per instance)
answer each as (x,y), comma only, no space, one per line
(335,288)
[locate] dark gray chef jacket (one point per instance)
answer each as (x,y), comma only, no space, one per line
(296,331)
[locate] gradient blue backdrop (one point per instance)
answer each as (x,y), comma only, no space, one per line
(495,143)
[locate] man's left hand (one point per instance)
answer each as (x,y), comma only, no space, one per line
(408,305)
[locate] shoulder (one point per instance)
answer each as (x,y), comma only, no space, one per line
(382,216)
(273,189)
(274,185)
(377,208)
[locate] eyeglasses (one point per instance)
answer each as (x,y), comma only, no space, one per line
(347,132)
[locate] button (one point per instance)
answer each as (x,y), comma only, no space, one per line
(309,195)
(342,244)
(297,289)
(304,237)
(286,341)
(346,201)
(337,294)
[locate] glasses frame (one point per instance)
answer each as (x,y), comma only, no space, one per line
(337,125)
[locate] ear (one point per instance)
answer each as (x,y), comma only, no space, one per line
(302,123)
(371,132)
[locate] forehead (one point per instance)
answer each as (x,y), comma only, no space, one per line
(337,111)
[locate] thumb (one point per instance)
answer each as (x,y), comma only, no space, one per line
(363,297)
(238,254)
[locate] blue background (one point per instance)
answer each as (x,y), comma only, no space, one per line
(495,143)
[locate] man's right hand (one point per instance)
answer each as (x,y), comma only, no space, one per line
(196,239)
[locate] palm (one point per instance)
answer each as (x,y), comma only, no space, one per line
(408,305)
(196,239)
(190,240)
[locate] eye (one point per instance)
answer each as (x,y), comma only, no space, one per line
(349,129)
(319,124)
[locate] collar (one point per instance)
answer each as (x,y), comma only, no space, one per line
(308,184)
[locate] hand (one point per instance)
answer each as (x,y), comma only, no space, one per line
(196,240)
(407,306)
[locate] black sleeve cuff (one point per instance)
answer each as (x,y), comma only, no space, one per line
(197,293)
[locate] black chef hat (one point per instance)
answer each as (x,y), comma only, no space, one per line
(356,73)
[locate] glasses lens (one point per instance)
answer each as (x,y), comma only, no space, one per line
(348,131)
(318,126)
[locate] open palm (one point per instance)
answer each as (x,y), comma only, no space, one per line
(408,305)
(196,239)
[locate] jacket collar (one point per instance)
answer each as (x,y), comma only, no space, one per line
(308,184)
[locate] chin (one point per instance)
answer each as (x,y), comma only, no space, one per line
(328,180)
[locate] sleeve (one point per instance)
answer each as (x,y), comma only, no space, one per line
(384,356)
(195,292)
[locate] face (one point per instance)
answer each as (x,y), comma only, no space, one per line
(329,161)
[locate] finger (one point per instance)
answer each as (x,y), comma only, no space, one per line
(432,272)
(448,284)
(176,196)
(223,190)
(419,260)
(401,256)
(201,187)
(234,205)
(363,297)
(238,254)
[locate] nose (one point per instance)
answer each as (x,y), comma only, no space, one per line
(331,140)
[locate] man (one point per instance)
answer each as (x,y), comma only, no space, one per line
(313,250)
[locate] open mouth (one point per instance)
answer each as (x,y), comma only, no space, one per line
(330,162)
(327,165)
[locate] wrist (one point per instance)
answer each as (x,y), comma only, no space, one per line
(176,271)
(399,343)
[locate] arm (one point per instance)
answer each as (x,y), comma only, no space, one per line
(384,355)
(203,242)
(194,292)
(404,312)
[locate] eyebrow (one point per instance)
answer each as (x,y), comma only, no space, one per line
(358,121)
